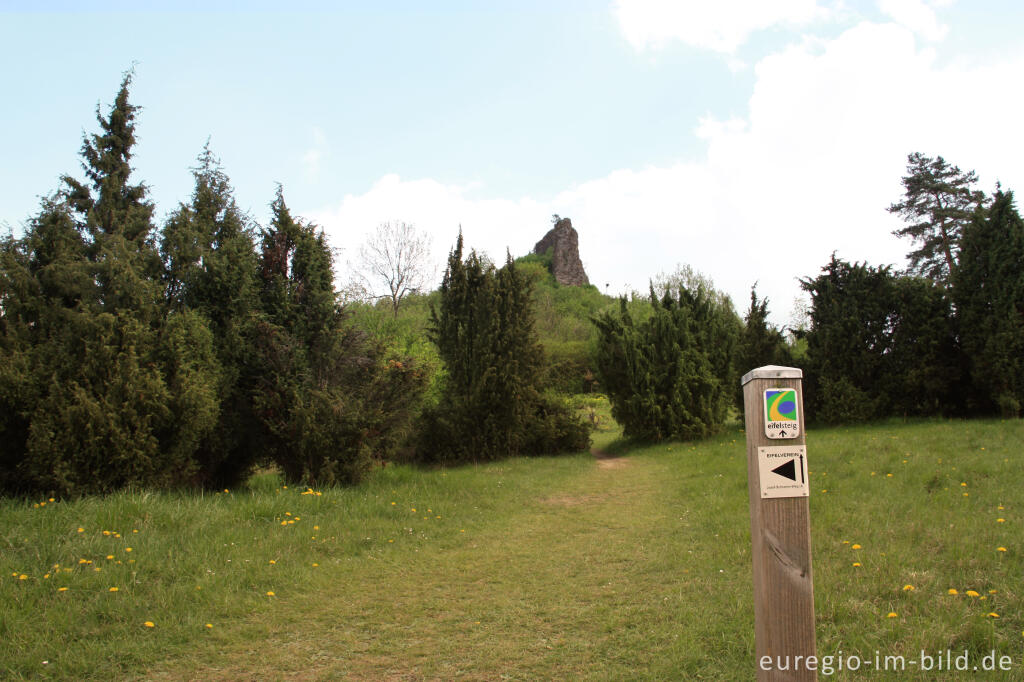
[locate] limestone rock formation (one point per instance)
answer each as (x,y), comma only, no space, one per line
(566,265)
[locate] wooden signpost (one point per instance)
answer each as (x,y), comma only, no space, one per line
(779,524)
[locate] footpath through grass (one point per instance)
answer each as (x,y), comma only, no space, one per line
(636,566)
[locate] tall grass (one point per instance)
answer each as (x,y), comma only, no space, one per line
(634,567)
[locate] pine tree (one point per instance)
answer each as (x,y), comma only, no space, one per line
(938,202)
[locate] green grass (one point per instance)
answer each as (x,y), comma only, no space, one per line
(570,567)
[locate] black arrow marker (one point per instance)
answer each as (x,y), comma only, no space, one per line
(787,470)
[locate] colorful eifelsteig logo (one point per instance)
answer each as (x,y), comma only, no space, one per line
(780,404)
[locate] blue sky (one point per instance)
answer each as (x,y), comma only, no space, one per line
(747,139)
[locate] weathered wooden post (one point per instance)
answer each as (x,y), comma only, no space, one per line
(780,524)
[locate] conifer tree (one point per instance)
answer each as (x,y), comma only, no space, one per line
(760,343)
(670,375)
(989,291)
(329,400)
(879,345)
(491,402)
(938,202)
(119,394)
(210,271)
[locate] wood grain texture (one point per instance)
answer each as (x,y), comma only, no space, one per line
(781,539)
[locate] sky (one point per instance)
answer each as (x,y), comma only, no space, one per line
(750,140)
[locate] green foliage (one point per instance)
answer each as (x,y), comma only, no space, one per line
(124,364)
(564,328)
(670,375)
(491,403)
(882,341)
(938,203)
(210,272)
(989,291)
(329,400)
(104,389)
(760,343)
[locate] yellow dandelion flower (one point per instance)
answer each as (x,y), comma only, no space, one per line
(106,532)
(284,523)
(992,591)
(414,508)
(971,593)
(81,530)
(22,577)
(993,615)
(110,556)
(855,547)
(270,594)
(846,542)
(908,588)
(892,614)
(1000,520)
(856,564)
(273,561)
(149,624)
(46,577)
(963,484)
(888,475)
(209,626)
(1000,549)
(62,589)
(952,591)
(112,589)
(967,494)
(127,549)
(315,564)
(316,527)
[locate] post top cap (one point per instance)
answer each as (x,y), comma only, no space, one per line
(772,372)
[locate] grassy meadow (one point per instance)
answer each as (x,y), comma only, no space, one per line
(635,564)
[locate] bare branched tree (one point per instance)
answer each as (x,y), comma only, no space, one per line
(393,263)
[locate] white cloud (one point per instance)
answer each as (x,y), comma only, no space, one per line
(809,170)
(721,26)
(488,225)
(915,15)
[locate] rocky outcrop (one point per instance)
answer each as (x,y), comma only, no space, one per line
(564,242)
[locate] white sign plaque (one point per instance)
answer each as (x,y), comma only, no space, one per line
(783,471)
